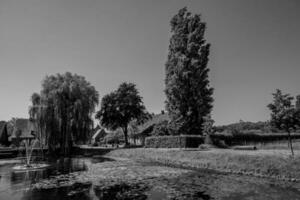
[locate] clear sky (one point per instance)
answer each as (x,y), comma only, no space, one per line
(255,49)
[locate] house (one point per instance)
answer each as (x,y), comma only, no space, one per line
(114,136)
(145,129)
(104,136)
(98,135)
(3,134)
(21,129)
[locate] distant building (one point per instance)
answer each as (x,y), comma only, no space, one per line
(102,135)
(146,129)
(98,134)
(21,129)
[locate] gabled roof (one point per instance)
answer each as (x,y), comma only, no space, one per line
(96,129)
(151,122)
(106,134)
(113,135)
(100,133)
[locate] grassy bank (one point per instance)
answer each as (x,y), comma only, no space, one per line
(264,163)
(280,145)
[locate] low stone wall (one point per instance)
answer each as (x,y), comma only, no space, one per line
(178,141)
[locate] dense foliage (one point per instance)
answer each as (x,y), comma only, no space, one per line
(208,123)
(243,127)
(298,102)
(63,110)
(161,129)
(165,127)
(285,115)
(120,107)
(189,96)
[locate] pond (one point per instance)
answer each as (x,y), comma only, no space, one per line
(105,178)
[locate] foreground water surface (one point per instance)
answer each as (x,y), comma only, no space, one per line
(104,178)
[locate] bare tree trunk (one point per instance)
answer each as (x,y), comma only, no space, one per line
(290,143)
(126,135)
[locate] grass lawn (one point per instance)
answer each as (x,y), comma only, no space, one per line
(266,163)
(281,145)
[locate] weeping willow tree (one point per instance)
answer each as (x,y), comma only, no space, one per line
(63,111)
(37,114)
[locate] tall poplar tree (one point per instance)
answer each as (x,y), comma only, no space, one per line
(189,95)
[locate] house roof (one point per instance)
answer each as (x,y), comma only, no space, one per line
(94,130)
(151,122)
(100,133)
(25,126)
(103,134)
(116,135)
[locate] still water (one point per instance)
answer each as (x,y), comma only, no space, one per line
(111,179)
(15,185)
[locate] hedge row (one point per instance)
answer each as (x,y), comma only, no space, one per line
(263,138)
(178,141)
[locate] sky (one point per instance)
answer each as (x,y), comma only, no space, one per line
(255,48)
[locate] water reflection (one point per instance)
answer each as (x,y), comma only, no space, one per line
(199,184)
(82,193)
(15,184)
(61,166)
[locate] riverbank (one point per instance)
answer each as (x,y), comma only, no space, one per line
(98,177)
(261,163)
(126,179)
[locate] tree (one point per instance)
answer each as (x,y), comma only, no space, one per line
(120,107)
(133,130)
(37,116)
(208,124)
(63,110)
(189,96)
(284,114)
(242,127)
(133,126)
(208,129)
(161,128)
(298,102)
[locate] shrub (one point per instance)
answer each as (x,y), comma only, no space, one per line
(178,141)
